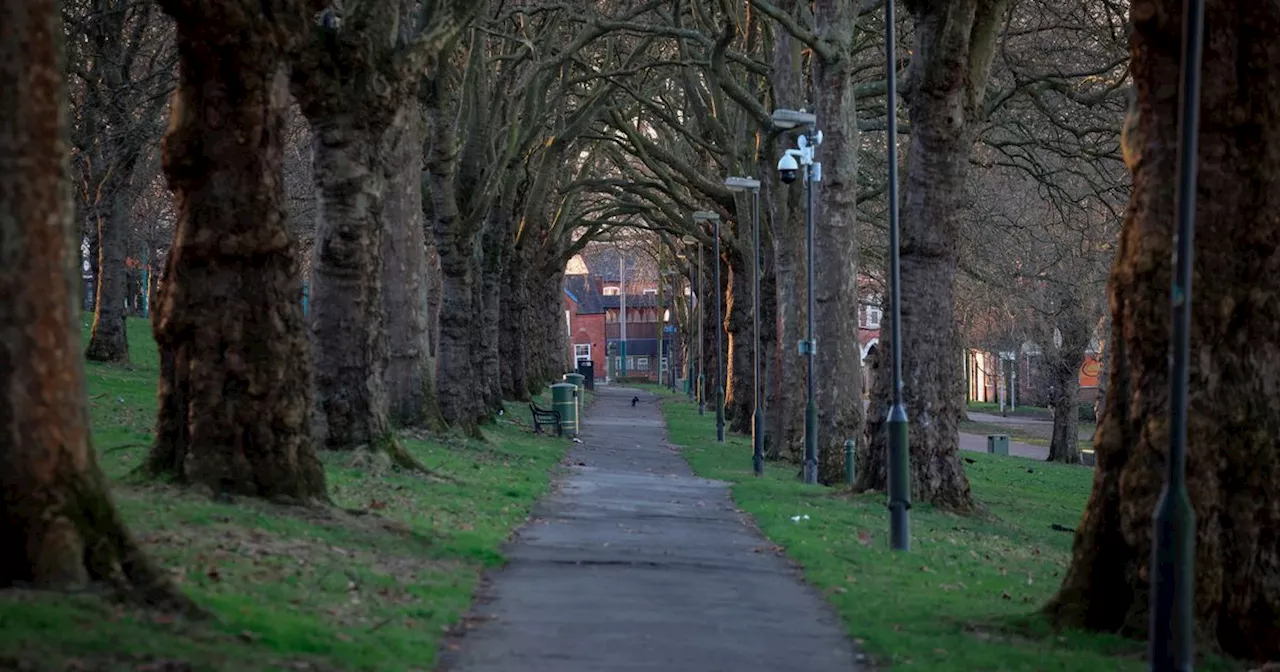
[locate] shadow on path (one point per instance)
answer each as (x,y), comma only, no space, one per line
(633,563)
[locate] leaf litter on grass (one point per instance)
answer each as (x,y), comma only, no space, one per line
(369,584)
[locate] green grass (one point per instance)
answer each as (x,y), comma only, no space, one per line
(373,584)
(1020,411)
(1023,433)
(966,597)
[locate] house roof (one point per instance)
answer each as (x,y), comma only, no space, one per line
(633,301)
(582,290)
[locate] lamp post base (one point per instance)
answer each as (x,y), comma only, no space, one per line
(757,442)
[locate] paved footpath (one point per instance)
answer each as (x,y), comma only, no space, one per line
(633,563)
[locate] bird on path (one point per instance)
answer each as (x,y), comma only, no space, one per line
(634,401)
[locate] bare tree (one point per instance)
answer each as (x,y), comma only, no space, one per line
(121,54)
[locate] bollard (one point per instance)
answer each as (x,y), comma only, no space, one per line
(848,461)
(564,399)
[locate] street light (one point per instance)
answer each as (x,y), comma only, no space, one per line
(688,380)
(702,402)
(668,275)
(707,216)
(792,161)
(899,455)
(1172,634)
(739,184)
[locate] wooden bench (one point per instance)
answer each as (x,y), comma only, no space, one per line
(544,416)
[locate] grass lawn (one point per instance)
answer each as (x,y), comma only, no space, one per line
(1032,435)
(965,598)
(1037,412)
(372,585)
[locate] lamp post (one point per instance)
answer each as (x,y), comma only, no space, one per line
(757,417)
(1172,633)
(668,275)
(706,216)
(700,387)
(899,455)
(622,291)
(688,380)
(793,160)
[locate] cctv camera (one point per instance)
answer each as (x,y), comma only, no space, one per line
(788,168)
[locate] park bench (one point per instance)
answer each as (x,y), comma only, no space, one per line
(544,416)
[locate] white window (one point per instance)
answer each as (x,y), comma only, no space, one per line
(642,363)
(874,314)
(650,292)
(664,364)
(581,351)
(611,291)
(631,363)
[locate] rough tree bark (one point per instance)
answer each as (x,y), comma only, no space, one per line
(410,375)
(354,81)
(787,225)
(58,523)
(739,369)
(955,42)
(513,340)
(839,355)
(235,378)
(1234,406)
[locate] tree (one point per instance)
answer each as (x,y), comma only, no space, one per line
(235,369)
(356,79)
(1234,407)
(955,42)
(58,523)
(121,57)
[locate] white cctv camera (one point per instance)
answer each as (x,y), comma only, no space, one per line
(788,168)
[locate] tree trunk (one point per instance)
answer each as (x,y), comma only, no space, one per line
(839,353)
(489,303)
(347,319)
(514,338)
(1233,408)
(58,523)
(954,46)
(108,342)
(409,378)
(1075,327)
(740,374)
(235,386)
(1065,444)
(786,209)
(456,379)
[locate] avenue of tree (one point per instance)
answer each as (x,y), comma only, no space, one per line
(359,215)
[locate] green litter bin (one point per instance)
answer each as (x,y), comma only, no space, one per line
(564,398)
(998,444)
(578,380)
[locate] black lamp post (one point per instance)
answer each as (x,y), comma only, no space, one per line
(700,387)
(1172,634)
(899,454)
(707,216)
(758,416)
(792,161)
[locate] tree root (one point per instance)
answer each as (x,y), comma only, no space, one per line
(403,460)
